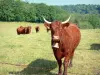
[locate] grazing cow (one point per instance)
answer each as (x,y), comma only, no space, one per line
(65,37)
(37,29)
(23,30)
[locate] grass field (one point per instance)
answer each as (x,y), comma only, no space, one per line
(31,54)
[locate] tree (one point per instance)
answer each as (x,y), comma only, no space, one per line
(6,10)
(18,11)
(95,21)
(29,12)
(41,10)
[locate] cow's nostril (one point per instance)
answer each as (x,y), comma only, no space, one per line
(55,37)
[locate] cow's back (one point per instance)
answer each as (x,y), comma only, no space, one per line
(20,30)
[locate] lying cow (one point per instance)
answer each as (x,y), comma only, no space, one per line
(65,37)
(23,30)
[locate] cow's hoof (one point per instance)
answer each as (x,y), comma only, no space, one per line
(59,74)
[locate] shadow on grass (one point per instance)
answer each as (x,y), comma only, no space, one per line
(38,67)
(95,47)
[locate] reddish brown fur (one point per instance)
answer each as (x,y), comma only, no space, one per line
(23,30)
(37,28)
(69,38)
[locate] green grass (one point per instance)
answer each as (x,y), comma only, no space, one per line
(31,54)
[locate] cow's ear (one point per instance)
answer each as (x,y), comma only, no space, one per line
(47,25)
(65,25)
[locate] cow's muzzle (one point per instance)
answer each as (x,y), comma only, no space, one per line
(56,41)
(55,45)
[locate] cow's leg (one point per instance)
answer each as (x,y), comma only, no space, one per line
(60,66)
(70,62)
(59,61)
(71,59)
(66,62)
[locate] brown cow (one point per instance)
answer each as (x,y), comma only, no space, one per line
(37,28)
(65,37)
(23,30)
(28,30)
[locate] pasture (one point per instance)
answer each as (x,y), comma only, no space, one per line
(31,54)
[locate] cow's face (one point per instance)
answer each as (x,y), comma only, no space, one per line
(56,28)
(56,33)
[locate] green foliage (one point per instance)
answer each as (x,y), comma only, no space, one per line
(51,15)
(6,10)
(17,10)
(85,25)
(82,8)
(86,16)
(95,21)
(41,10)
(86,21)
(61,13)
(29,12)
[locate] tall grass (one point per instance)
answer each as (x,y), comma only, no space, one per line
(31,54)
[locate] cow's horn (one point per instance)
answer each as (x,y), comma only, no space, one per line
(66,20)
(46,21)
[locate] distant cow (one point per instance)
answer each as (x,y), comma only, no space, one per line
(37,28)
(65,37)
(27,29)
(23,30)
